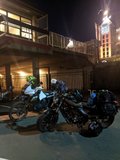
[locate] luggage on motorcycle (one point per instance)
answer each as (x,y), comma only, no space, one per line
(59,86)
(105,101)
(92,100)
(92,129)
(74,95)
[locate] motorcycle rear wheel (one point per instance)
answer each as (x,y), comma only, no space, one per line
(47,122)
(18,112)
(107,121)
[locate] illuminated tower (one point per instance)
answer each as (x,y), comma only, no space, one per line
(105,33)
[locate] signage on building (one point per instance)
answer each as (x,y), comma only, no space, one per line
(105,28)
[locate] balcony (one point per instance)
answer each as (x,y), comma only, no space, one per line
(35,34)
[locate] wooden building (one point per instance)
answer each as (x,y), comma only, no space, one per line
(28,48)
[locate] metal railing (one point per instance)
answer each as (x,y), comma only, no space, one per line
(45,37)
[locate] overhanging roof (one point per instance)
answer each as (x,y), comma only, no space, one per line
(13,49)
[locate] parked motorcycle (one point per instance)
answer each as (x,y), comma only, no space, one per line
(91,120)
(6,96)
(71,113)
(104,105)
(29,100)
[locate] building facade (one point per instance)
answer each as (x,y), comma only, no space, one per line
(28,48)
(108,35)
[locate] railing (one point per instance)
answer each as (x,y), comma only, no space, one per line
(45,37)
(57,40)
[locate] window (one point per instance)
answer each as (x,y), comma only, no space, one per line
(26,32)
(3,12)
(103,54)
(3,23)
(106,35)
(25,20)
(13,16)
(107,54)
(103,45)
(13,29)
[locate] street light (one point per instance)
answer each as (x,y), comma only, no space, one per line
(70,44)
(105,13)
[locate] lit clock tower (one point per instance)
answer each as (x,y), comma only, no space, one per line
(105,37)
(105,32)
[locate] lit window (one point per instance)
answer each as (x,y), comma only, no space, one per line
(26,32)
(13,16)
(25,20)
(3,12)
(3,23)
(26,35)
(14,29)
(3,27)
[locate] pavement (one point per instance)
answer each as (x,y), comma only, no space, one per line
(23,141)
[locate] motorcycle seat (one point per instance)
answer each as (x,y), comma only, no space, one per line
(73,103)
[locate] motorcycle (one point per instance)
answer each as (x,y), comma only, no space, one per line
(29,100)
(7,95)
(104,108)
(88,120)
(61,103)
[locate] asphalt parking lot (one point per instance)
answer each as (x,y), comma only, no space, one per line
(24,141)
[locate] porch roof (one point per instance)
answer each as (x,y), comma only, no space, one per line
(14,49)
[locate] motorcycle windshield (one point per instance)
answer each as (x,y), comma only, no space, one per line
(29,91)
(42,95)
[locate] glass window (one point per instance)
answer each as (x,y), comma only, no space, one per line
(26,35)
(3,12)
(25,20)
(107,54)
(13,29)
(13,16)
(2,27)
(103,54)
(106,35)
(3,23)
(26,32)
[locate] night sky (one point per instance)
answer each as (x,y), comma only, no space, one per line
(76,18)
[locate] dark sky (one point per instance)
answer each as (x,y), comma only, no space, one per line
(75,18)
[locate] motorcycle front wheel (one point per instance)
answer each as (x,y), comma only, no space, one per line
(107,121)
(47,122)
(18,111)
